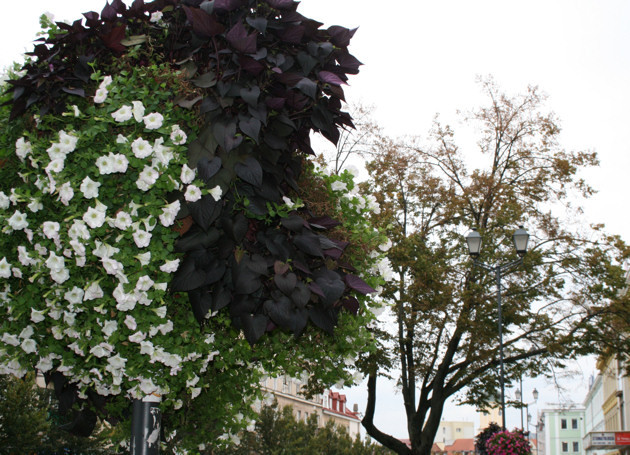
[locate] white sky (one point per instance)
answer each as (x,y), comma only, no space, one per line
(422,57)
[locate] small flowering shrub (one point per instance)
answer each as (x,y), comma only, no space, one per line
(508,442)
(162,230)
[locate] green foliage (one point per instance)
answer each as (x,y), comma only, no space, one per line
(277,432)
(28,423)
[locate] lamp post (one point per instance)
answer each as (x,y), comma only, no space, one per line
(519,396)
(520,239)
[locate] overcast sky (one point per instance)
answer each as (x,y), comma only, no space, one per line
(422,58)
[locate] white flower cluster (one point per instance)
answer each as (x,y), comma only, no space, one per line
(84,266)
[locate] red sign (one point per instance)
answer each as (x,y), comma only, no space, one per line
(622,438)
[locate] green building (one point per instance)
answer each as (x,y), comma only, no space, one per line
(561,431)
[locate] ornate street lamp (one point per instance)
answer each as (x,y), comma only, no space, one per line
(474,241)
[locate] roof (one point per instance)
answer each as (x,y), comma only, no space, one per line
(461,445)
(347,413)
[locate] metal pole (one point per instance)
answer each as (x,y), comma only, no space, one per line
(521,385)
(502,376)
(145,426)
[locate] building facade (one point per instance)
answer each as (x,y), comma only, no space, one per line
(561,431)
(449,431)
(331,406)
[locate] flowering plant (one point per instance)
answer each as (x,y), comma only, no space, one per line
(508,442)
(124,205)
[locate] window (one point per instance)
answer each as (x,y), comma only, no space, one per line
(458,430)
(563,424)
(574,424)
(576,446)
(565,447)
(299,415)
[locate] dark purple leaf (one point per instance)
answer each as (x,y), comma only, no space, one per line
(323,222)
(334,253)
(250,127)
(275,103)
(250,95)
(358,284)
(205,211)
(323,319)
(250,65)
(196,238)
(114,37)
(351,304)
(250,171)
(301,295)
(227,5)
(92,20)
(340,36)
(74,91)
(240,40)
(203,24)
(294,223)
(207,168)
(293,34)
(254,326)
(281,4)
(308,87)
(280,268)
(109,13)
(309,243)
(286,283)
(330,78)
(206,80)
(259,23)
(200,302)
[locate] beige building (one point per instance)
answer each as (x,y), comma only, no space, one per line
(450,431)
(331,406)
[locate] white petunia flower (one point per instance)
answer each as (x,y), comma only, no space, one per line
(60,276)
(107,80)
(192,194)
(10,339)
(138,110)
(187,175)
(79,230)
(75,110)
(170,266)
(137,337)
(56,151)
(288,202)
(94,218)
(216,193)
(66,193)
(120,162)
(385,246)
(161,154)
(147,178)
(89,188)
(146,347)
(156,16)
(22,148)
(99,351)
(178,137)
(37,315)
(35,205)
(100,95)
(153,121)
(55,166)
(122,220)
(29,346)
(160,311)
(169,213)
(109,327)
(54,262)
(68,142)
(142,238)
(130,322)
(144,258)
(5,268)
(45,364)
(24,258)
(93,292)
(141,148)
(74,295)
(112,266)
(338,185)
(120,139)
(105,164)
(144,283)
(51,229)
(4,201)
(123,114)
(18,221)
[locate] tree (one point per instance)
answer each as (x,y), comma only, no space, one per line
(277,432)
(29,424)
(445,341)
